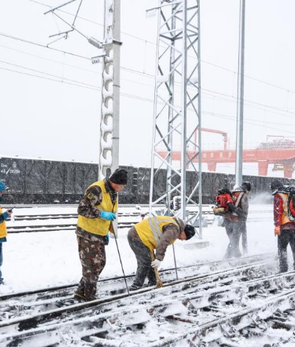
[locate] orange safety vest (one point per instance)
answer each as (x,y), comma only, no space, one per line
(285,214)
(99,226)
(237,197)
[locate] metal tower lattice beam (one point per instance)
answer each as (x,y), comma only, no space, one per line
(177,106)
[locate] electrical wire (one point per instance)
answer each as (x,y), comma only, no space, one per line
(78,83)
(66,81)
(56,78)
(43,46)
(148,75)
(154,44)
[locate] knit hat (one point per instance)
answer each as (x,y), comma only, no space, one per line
(276,185)
(246,186)
(189,231)
(2,187)
(120,176)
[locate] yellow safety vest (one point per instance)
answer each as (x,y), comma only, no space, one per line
(150,230)
(285,218)
(3,230)
(99,226)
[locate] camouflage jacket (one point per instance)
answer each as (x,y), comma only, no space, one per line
(86,207)
(170,234)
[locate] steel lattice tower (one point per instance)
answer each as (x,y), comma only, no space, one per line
(177,107)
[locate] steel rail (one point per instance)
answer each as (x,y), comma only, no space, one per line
(201,330)
(233,262)
(101,312)
(45,316)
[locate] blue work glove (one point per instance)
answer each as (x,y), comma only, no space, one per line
(107,215)
(107,239)
(5,215)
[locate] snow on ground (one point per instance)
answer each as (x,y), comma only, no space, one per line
(46,259)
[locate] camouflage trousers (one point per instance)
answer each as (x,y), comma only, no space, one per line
(93,259)
(143,257)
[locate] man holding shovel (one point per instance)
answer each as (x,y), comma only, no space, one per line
(155,233)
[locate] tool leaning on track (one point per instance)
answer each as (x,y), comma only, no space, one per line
(159,282)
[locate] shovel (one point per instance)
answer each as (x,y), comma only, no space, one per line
(159,282)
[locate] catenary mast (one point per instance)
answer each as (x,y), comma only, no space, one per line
(240,97)
(109,124)
(110,95)
(177,107)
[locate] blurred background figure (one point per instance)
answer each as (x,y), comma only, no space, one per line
(3,230)
(284,221)
(235,222)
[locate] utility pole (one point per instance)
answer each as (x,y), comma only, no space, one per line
(110,91)
(110,94)
(240,98)
(177,108)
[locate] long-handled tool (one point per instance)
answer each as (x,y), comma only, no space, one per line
(115,227)
(159,282)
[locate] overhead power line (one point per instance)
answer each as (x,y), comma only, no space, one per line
(153,43)
(54,79)
(44,46)
(80,84)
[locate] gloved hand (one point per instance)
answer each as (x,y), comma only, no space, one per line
(156,263)
(5,215)
(218,210)
(277,231)
(107,239)
(107,215)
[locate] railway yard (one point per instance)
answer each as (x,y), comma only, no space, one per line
(205,301)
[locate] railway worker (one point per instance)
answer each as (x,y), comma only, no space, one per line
(96,211)
(284,225)
(235,223)
(3,230)
(154,233)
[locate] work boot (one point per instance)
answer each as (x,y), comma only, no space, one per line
(79,297)
(134,287)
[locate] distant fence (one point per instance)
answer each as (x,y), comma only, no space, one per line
(48,182)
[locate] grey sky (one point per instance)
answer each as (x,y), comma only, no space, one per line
(50,100)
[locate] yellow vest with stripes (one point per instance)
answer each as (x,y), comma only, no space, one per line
(3,230)
(150,230)
(99,226)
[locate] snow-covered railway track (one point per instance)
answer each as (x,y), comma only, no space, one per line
(55,227)
(31,217)
(46,222)
(192,302)
(24,223)
(18,305)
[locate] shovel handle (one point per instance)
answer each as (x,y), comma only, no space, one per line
(159,282)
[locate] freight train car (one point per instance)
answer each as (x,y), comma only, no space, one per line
(33,181)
